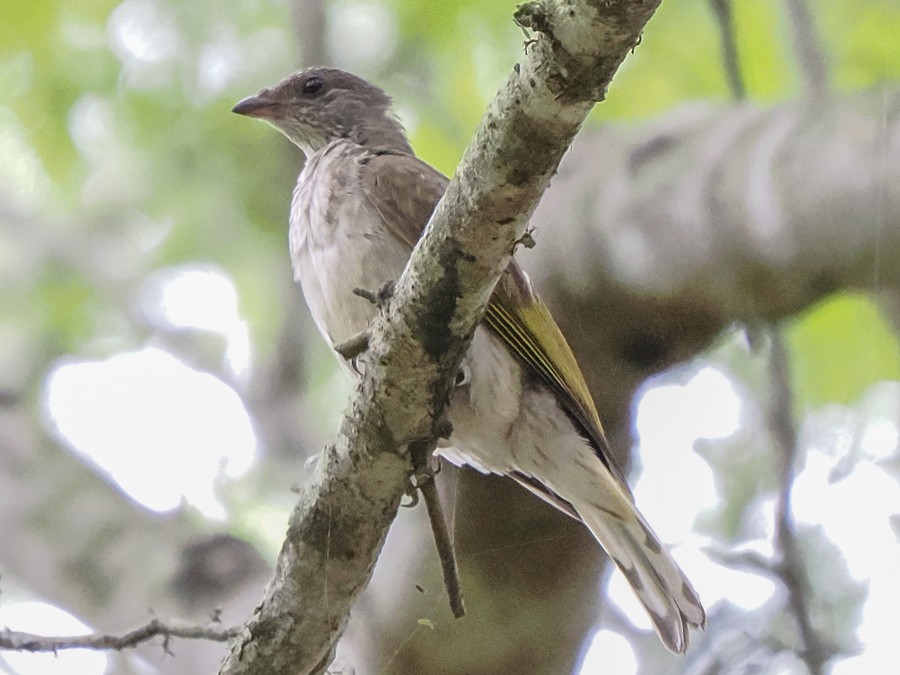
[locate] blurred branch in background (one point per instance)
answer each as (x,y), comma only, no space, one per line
(791,568)
(749,233)
(668,224)
(730,61)
(311,25)
(807,48)
(167,630)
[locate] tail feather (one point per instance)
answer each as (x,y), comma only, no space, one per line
(653,574)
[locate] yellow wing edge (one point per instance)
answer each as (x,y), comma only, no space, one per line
(552,359)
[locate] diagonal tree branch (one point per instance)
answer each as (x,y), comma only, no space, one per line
(419,339)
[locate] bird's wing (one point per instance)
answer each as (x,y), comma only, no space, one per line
(517,314)
(405,190)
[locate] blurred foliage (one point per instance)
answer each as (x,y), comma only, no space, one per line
(841,347)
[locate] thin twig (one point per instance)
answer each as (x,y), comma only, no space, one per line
(722,11)
(442,540)
(28,642)
(807,48)
(791,568)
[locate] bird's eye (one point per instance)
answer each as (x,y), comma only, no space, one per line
(313,85)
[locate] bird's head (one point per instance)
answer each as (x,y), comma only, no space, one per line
(316,106)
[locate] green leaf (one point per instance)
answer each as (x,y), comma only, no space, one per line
(841,347)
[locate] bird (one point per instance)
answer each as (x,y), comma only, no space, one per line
(520,406)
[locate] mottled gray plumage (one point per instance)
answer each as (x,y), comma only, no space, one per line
(522,409)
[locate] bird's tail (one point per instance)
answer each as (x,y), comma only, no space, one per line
(653,574)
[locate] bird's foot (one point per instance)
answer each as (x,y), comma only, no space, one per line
(354,346)
(379,297)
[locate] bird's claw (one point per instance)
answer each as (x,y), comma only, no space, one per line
(416,481)
(412,491)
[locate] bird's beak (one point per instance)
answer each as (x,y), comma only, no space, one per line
(256,106)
